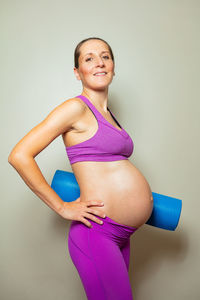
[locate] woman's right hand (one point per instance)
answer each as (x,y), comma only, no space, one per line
(78,210)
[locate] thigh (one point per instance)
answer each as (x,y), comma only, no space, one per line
(100,263)
(87,272)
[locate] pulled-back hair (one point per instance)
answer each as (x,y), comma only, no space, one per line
(77,50)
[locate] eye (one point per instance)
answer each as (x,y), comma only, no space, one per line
(106,57)
(88,59)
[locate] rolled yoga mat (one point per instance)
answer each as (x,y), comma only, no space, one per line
(166,210)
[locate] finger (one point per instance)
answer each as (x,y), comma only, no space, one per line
(93,218)
(93,202)
(96,212)
(84,221)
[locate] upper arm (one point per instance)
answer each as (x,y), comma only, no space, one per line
(58,121)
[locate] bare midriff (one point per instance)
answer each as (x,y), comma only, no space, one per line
(123,189)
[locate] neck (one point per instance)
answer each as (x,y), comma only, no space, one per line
(98,98)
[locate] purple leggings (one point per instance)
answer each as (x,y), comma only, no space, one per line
(101,256)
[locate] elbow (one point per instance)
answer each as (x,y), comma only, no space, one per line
(15,157)
(11,158)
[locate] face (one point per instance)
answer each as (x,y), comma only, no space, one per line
(96,67)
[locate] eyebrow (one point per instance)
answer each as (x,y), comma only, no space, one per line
(101,53)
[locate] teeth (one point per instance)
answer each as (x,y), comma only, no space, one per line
(102,73)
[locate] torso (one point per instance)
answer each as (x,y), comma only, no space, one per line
(119,184)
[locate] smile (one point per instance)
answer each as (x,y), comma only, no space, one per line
(100,74)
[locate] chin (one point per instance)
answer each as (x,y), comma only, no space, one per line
(100,87)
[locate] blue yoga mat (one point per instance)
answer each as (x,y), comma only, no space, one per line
(166,210)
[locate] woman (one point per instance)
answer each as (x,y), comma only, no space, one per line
(115,198)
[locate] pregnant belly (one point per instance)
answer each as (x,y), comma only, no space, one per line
(121,186)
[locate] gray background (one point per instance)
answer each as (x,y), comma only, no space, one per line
(155,96)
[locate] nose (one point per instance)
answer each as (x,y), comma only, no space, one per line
(100,62)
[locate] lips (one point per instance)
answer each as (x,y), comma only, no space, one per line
(100,74)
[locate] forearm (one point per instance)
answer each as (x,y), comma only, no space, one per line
(32,176)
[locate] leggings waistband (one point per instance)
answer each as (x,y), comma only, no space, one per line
(112,226)
(109,220)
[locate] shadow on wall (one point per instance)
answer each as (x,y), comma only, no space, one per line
(153,249)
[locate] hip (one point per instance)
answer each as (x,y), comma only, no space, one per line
(110,229)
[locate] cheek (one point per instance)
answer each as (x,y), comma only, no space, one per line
(86,70)
(111,66)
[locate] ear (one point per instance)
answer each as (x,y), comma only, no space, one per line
(76,72)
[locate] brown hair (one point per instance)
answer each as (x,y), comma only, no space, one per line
(77,50)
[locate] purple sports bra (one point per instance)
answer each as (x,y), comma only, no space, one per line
(107,144)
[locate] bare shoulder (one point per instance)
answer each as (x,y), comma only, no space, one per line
(68,112)
(72,105)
